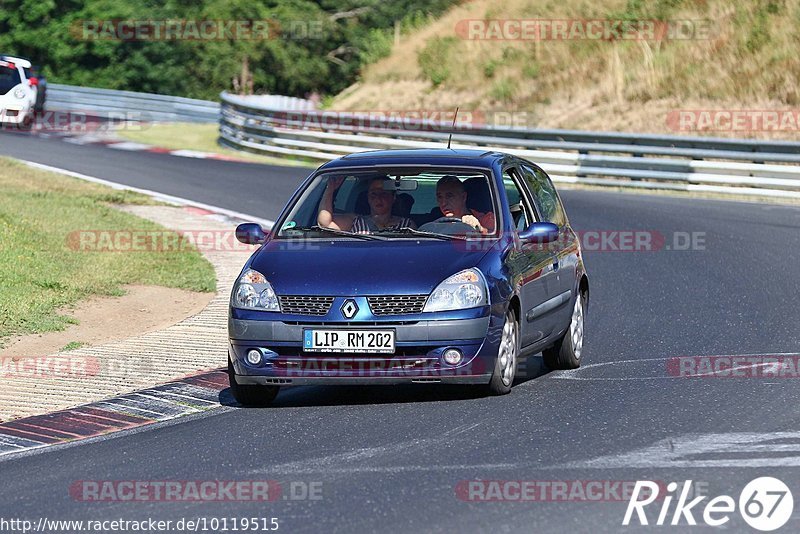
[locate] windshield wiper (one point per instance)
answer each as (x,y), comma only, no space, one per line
(414,232)
(324,229)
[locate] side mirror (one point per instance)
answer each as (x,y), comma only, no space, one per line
(251,234)
(540,232)
(34,82)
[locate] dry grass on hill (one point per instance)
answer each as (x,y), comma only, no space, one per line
(751,61)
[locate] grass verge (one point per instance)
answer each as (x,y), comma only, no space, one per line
(194,136)
(40,273)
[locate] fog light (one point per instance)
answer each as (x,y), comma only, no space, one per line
(452,356)
(253,357)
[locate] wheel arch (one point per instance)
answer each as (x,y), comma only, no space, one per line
(514,305)
(583,288)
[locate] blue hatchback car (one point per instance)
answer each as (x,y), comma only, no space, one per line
(409,266)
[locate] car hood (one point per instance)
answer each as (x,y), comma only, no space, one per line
(351,268)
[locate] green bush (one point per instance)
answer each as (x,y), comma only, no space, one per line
(490,67)
(531,70)
(319,46)
(503,90)
(436,57)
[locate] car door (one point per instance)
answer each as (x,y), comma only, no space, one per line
(532,264)
(564,251)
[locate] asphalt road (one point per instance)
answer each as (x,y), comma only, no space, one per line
(245,187)
(390,459)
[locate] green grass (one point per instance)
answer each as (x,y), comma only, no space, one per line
(194,136)
(40,272)
(72,345)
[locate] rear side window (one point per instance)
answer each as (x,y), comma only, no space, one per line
(545,195)
(518,203)
(9,78)
(511,188)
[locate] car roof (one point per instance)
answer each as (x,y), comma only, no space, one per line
(22,62)
(420,156)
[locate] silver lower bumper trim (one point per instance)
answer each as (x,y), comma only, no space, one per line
(359,380)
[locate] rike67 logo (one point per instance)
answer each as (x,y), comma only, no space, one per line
(765,504)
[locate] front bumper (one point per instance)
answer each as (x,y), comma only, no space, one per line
(13,114)
(419,346)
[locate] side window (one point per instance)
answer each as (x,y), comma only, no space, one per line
(512,192)
(545,195)
(346,196)
(521,212)
(523,221)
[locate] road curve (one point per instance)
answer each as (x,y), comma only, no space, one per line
(397,459)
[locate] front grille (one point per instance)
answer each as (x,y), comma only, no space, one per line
(396,304)
(355,364)
(305,304)
(416,352)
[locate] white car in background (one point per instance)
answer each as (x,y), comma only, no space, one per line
(18,92)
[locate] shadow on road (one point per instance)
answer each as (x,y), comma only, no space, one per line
(310,396)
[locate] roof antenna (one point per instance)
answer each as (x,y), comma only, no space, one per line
(451,132)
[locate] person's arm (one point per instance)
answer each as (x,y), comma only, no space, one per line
(488,222)
(473,221)
(326,218)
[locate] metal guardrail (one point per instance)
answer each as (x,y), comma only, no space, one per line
(279,125)
(760,168)
(128,105)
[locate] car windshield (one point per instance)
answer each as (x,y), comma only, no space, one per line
(9,78)
(391,203)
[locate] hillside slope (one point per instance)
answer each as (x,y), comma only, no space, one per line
(747,59)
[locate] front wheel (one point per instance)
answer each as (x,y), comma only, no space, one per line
(566,352)
(250,394)
(505,366)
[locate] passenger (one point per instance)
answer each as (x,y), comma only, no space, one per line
(380,217)
(452,200)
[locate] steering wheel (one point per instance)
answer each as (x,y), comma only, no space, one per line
(448,225)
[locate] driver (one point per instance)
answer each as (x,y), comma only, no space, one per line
(452,200)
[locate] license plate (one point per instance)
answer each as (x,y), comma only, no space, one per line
(375,341)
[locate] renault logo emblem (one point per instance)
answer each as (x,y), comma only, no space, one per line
(349,308)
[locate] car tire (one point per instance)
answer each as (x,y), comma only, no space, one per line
(250,394)
(505,365)
(566,352)
(27,124)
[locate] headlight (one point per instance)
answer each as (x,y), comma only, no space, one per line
(463,290)
(255,293)
(19,93)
